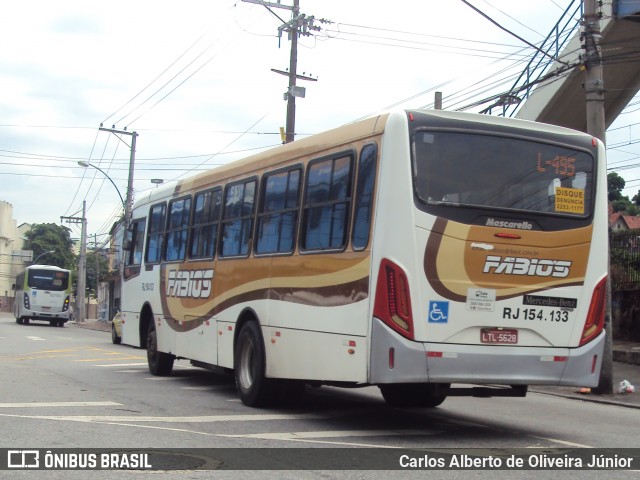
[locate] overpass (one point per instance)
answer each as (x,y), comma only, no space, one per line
(555,93)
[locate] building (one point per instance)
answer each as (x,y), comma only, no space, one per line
(618,222)
(12,256)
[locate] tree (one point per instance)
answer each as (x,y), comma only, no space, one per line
(615,185)
(45,237)
(93,278)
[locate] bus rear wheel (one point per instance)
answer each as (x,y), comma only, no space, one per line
(249,364)
(160,363)
(425,395)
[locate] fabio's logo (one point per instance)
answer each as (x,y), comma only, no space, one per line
(526,266)
(189,283)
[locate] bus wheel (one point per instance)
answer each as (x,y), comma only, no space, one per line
(427,395)
(61,323)
(25,321)
(160,363)
(53,323)
(19,321)
(249,363)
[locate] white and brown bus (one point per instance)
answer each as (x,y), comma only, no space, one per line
(411,250)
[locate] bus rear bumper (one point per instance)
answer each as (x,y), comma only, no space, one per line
(48,316)
(481,364)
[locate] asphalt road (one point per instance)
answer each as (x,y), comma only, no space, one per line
(72,388)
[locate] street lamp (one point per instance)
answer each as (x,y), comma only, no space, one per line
(87,164)
(42,255)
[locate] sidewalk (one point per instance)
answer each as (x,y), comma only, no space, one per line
(626,366)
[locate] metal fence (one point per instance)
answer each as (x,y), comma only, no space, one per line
(625,260)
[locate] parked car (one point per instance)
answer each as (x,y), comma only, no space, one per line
(116,329)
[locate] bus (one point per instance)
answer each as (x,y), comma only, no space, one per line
(428,253)
(43,292)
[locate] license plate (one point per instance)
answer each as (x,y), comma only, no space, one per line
(499,335)
(46,309)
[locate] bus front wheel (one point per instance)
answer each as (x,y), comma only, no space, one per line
(426,395)
(160,363)
(249,364)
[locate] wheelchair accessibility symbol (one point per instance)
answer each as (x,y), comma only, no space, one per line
(438,312)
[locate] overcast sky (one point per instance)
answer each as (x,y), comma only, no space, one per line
(194,80)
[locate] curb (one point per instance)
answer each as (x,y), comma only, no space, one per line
(602,399)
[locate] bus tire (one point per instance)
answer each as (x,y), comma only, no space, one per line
(53,323)
(25,321)
(249,363)
(160,363)
(61,323)
(19,320)
(425,395)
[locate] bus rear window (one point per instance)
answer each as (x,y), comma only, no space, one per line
(464,169)
(48,280)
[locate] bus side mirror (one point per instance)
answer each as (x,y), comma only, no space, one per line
(127,240)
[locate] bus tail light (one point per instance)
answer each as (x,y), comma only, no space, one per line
(393,302)
(595,318)
(65,307)
(27,303)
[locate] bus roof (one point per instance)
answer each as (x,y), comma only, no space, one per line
(284,153)
(46,267)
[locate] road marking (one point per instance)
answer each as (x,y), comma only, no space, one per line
(564,442)
(35,338)
(122,365)
(149,419)
(59,404)
(128,357)
(331,434)
(65,352)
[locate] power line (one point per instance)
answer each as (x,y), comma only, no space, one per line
(512,33)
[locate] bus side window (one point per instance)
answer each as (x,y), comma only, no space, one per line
(155,234)
(325,214)
(237,219)
(134,255)
(207,206)
(278,216)
(364,196)
(177,229)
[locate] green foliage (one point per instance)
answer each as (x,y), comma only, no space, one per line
(633,210)
(45,237)
(615,185)
(93,279)
(620,205)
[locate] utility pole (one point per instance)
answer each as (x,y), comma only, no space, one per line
(293,67)
(298,25)
(132,158)
(82,276)
(596,126)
